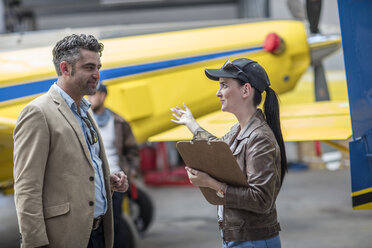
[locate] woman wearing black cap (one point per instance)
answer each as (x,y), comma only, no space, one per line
(248,217)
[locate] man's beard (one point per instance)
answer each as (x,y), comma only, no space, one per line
(96,108)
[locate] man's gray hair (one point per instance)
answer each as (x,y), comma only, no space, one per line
(68,49)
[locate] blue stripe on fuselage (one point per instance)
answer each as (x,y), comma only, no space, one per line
(32,88)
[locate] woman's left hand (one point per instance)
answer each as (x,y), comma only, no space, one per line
(198,178)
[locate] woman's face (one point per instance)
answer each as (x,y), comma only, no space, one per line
(230,94)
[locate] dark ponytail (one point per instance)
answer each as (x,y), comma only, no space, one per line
(271,109)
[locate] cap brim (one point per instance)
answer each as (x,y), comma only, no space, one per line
(216,74)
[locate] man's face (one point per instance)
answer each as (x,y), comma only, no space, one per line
(86,73)
(97,100)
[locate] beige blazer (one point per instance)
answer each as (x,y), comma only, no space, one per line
(53,174)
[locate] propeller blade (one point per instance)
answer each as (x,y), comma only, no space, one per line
(313,9)
(320,83)
(297,9)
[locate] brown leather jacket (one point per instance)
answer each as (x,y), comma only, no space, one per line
(126,145)
(250,212)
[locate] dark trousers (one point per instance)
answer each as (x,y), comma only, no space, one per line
(119,225)
(97,240)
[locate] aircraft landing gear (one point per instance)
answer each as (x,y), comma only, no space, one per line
(137,215)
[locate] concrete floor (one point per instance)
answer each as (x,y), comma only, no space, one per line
(314,209)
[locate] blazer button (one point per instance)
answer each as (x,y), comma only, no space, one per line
(91,179)
(91,203)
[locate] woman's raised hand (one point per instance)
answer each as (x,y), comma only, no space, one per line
(184,117)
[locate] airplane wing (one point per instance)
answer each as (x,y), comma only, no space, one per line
(302,119)
(6,147)
(7,124)
(319,121)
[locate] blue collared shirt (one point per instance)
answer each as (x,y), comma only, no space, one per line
(100,205)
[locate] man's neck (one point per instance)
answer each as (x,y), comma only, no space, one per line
(77,98)
(100,110)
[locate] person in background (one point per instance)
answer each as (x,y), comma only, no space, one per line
(248,217)
(62,183)
(121,149)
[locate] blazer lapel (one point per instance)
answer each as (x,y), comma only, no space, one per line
(71,119)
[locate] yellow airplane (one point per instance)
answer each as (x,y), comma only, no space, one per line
(148,74)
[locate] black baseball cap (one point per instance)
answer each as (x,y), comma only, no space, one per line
(246,70)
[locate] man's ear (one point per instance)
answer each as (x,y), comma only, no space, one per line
(65,68)
(103,96)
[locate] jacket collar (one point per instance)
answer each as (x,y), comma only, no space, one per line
(57,98)
(84,104)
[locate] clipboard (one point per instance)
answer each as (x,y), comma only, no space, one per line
(214,158)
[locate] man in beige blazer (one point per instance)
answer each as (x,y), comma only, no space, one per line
(62,181)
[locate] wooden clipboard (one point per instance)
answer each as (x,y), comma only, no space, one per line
(214,158)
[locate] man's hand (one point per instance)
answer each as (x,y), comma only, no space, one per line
(119,181)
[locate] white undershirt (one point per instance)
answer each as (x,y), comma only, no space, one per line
(108,138)
(220,212)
